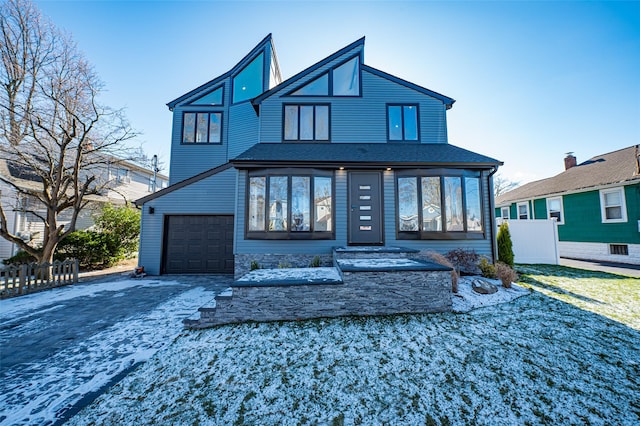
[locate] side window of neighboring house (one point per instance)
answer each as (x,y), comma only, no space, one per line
(523,211)
(612,205)
(554,209)
(124,176)
(504,213)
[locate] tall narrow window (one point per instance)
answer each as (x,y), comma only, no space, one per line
(453,204)
(306,122)
(431,204)
(322,201)
(408,204)
(256,203)
(278,190)
(202,127)
(248,83)
(300,198)
(472,197)
(523,211)
(402,122)
(504,213)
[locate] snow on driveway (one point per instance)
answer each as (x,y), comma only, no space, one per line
(42,390)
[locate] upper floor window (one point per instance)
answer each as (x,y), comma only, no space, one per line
(612,205)
(290,205)
(554,209)
(202,127)
(306,122)
(523,210)
(431,206)
(342,80)
(212,98)
(403,122)
(248,83)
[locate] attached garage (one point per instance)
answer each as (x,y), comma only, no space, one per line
(198,244)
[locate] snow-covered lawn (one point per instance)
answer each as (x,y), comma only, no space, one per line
(556,356)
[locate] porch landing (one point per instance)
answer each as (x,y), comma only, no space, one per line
(363,281)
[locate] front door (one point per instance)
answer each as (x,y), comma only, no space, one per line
(365,208)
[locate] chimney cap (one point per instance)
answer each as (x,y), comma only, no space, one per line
(569,154)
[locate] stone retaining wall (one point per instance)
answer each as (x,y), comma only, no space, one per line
(362,293)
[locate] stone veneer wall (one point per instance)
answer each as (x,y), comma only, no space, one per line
(362,293)
(271,261)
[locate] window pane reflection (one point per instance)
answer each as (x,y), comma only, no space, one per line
(431,204)
(202,127)
(474,214)
(453,203)
(248,83)
(318,87)
(189,127)
(322,122)
(395,123)
(256,203)
(291,122)
(408,204)
(346,78)
(214,128)
(278,189)
(306,122)
(322,204)
(410,123)
(300,198)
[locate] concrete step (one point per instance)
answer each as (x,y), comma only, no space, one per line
(373,252)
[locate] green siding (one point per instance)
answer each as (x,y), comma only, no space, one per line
(583,219)
(540,208)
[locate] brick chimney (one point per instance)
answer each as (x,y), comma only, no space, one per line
(570,161)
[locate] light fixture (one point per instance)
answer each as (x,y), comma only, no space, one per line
(341,167)
(388,169)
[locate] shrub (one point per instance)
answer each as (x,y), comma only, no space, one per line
(506,274)
(315,263)
(92,249)
(284,265)
(465,261)
(488,269)
(254,265)
(505,246)
(123,223)
(19,258)
(441,260)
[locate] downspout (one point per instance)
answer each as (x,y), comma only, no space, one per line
(492,214)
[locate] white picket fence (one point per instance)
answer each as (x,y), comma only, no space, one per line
(535,241)
(30,277)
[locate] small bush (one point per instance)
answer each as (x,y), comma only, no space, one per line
(254,265)
(441,260)
(505,246)
(284,265)
(465,261)
(315,263)
(19,258)
(506,274)
(92,249)
(488,269)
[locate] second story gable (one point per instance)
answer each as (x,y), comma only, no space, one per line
(342,100)
(217,121)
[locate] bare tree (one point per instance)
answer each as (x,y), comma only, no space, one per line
(502,185)
(55,136)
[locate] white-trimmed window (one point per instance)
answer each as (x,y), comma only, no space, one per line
(612,205)
(504,213)
(523,210)
(555,210)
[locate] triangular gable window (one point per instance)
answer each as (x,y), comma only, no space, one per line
(342,80)
(247,83)
(318,87)
(212,98)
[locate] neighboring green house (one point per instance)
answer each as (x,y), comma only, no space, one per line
(596,204)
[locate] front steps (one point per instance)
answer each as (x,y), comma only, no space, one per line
(364,281)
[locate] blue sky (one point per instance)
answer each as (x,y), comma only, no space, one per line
(532,80)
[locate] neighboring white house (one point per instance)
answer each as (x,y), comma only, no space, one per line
(126,182)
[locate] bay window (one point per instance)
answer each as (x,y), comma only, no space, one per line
(442,206)
(290,204)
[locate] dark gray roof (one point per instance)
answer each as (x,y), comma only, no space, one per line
(606,169)
(362,154)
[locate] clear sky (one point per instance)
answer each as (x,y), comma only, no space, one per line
(532,80)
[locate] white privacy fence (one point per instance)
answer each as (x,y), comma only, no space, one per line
(535,241)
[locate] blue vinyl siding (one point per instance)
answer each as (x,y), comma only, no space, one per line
(213,195)
(243,129)
(362,119)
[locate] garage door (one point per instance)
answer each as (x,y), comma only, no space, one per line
(198,244)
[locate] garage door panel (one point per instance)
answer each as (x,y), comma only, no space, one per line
(199,244)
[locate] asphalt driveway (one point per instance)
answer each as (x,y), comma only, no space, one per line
(60,349)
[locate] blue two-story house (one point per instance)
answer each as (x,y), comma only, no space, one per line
(280,172)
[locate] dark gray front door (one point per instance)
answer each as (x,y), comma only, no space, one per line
(365,208)
(198,244)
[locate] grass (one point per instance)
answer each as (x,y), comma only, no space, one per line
(567,354)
